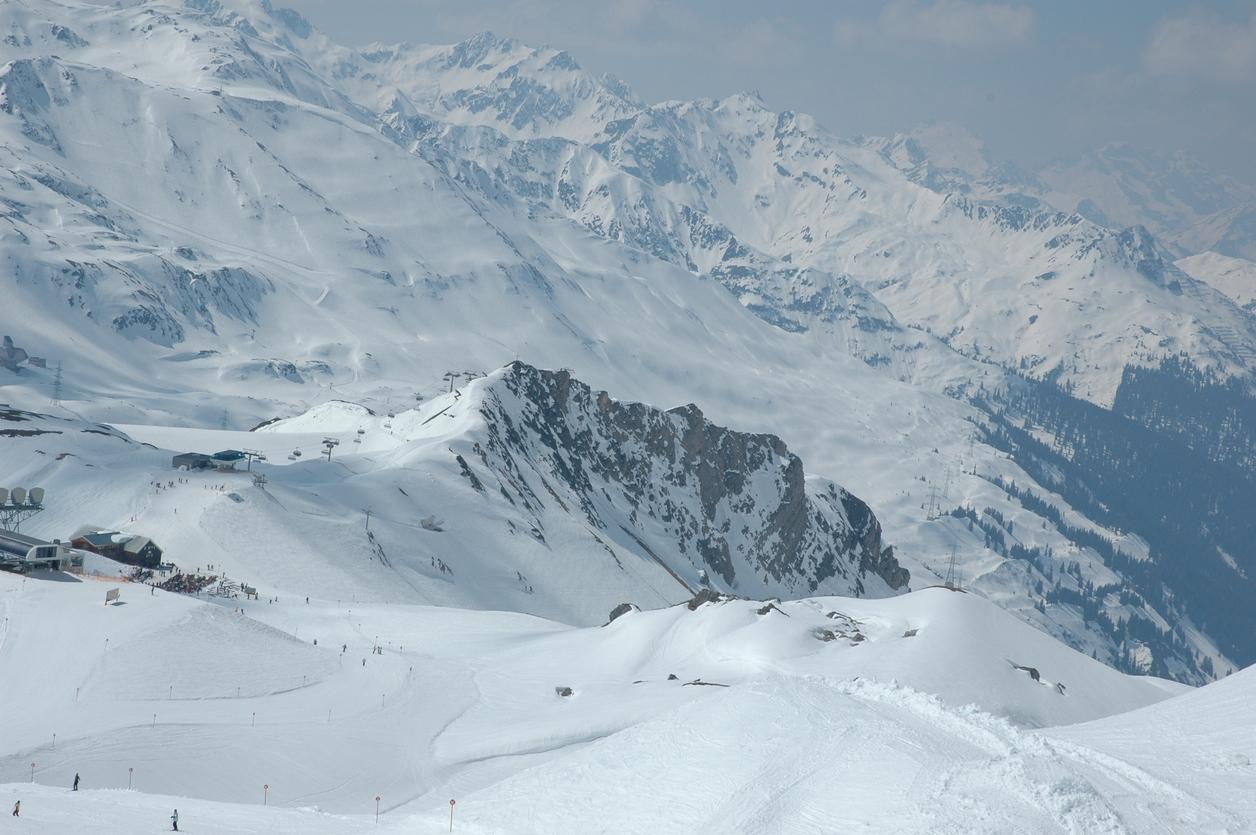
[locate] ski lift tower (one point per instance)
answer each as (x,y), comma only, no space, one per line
(252,455)
(18,505)
(328,445)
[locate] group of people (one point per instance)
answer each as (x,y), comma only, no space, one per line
(174,818)
(187,583)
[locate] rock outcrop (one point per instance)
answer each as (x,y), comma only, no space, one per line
(688,493)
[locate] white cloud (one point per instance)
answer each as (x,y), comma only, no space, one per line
(1204,45)
(961,23)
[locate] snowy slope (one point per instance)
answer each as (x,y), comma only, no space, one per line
(463,704)
(1203,742)
(1236,277)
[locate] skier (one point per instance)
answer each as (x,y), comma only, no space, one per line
(17,809)
(76,781)
(174,821)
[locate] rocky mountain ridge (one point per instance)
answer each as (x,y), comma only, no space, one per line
(737,507)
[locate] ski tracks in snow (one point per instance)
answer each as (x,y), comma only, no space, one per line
(1080,789)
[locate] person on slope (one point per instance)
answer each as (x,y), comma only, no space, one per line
(17,809)
(76,781)
(174,821)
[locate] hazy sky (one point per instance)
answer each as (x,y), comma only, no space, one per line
(1036,79)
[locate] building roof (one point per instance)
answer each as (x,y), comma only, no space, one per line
(21,539)
(18,545)
(99,539)
(228,455)
(195,456)
(136,544)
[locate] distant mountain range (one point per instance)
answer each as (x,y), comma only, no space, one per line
(1189,208)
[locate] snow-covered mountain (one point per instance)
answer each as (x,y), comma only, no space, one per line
(1188,207)
(561,481)
(1236,277)
(738,506)
(771,204)
(525,491)
(214,215)
(1178,198)
(613,466)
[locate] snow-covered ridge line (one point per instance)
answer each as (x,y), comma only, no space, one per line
(549,455)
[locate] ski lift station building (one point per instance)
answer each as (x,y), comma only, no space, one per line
(19,552)
(224,460)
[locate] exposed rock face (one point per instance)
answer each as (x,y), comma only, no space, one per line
(679,486)
(622,609)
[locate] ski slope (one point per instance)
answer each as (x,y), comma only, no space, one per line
(908,715)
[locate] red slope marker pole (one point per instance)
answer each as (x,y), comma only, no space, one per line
(32,772)
(129,772)
(377,808)
(451,814)
(265,794)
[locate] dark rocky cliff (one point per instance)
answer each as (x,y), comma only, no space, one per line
(706,500)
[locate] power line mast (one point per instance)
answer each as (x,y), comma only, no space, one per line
(952,581)
(56,386)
